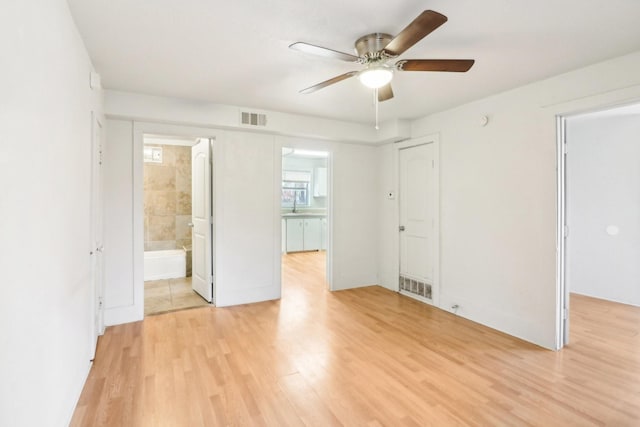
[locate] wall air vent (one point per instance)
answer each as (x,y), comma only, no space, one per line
(253,119)
(415,287)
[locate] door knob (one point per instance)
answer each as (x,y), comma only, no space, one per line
(401,228)
(190,225)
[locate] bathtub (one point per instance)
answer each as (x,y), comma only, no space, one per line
(166,264)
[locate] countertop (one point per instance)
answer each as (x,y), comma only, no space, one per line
(303,215)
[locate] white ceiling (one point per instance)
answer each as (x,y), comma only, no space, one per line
(236,52)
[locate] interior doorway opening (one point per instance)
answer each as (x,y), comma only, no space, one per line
(304,208)
(598,207)
(173,198)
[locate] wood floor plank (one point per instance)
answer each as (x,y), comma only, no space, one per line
(366,357)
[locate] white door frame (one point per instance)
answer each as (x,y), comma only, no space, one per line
(427,139)
(139,130)
(562,288)
(314,146)
(97,229)
(562,292)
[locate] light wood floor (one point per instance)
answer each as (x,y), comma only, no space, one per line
(365,357)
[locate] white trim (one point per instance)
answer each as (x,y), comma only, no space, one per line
(427,139)
(277,215)
(97,291)
(214,214)
(84,376)
(329,245)
(562,300)
(159,140)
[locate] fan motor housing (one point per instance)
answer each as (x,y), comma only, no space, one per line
(372,43)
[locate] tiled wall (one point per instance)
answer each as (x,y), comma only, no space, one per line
(167,200)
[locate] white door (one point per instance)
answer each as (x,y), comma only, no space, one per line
(97,234)
(295,234)
(417,210)
(312,234)
(202,267)
(323,234)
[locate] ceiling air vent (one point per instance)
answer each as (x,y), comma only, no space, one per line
(253,119)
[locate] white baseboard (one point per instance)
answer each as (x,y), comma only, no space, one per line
(76,395)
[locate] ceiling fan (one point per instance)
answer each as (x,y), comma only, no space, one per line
(376,51)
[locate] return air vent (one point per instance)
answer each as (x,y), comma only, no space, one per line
(415,287)
(253,119)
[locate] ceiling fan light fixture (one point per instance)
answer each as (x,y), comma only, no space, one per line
(375,77)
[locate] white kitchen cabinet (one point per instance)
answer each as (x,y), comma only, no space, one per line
(304,234)
(323,234)
(320,182)
(284,236)
(295,234)
(312,233)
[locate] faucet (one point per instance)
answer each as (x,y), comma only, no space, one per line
(295,198)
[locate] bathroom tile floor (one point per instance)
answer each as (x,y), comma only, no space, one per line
(161,296)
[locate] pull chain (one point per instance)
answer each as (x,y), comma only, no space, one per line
(375,101)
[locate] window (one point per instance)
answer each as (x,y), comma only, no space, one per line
(295,188)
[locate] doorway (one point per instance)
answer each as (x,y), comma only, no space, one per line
(418,213)
(304,204)
(599,204)
(177,226)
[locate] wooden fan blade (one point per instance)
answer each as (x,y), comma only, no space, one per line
(385,93)
(424,24)
(329,82)
(323,51)
(453,65)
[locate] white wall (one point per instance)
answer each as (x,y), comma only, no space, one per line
(199,113)
(247,184)
(247,218)
(498,197)
(355,218)
(603,189)
(45,159)
(388,248)
(119,295)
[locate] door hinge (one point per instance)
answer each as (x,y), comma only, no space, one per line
(565,231)
(211,279)
(210,220)
(433,164)
(565,148)
(564,313)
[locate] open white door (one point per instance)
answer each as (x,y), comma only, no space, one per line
(417,222)
(97,234)
(202,268)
